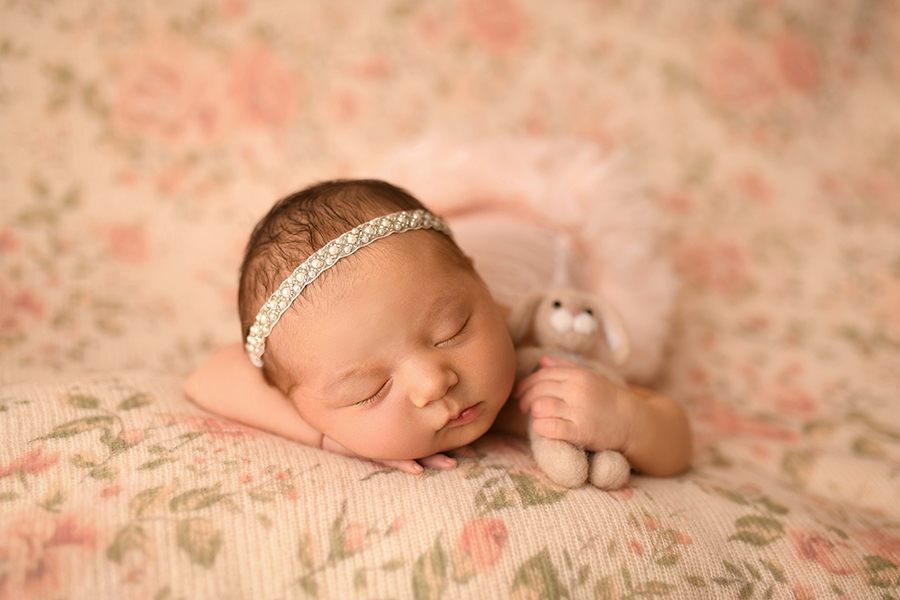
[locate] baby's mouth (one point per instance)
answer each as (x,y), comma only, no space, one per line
(465,416)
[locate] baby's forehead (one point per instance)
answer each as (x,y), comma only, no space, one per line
(419,245)
(438,255)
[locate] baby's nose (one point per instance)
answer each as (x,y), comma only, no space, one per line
(434,382)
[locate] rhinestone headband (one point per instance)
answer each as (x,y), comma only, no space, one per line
(325,258)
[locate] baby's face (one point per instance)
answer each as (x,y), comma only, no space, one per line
(408,358)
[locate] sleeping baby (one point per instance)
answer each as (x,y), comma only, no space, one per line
(368,332)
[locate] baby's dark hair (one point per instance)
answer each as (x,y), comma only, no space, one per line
(303,222)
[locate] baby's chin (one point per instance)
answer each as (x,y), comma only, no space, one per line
(470,436)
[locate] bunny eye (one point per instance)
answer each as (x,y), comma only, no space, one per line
(557,304)
(589,311)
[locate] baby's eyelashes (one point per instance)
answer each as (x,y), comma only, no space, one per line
(457,335)
(377,396)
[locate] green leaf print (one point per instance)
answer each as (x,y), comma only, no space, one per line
(866,446)
(305,551)
(393,565)
(533,491)
(77,426)
(197,498)
(310,585)
(494,495)
(538,575)
(776,571)
(156,463)
(668,559)
(346,538)
(104,472)
(82,401)
(773,507)
(82,462)
(201,540)
(757,531)
(695,581)
(130,537)
(53,501)
(429,578)
(145,501)
(798,466)
(135,401)
(882,572)
(875,563)
(360,582)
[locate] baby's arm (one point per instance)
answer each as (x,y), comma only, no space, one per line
(230,385)
(579,405)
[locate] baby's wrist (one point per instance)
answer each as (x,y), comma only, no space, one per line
(629,413)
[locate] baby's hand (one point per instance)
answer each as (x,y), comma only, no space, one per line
(414,467)
(576,404)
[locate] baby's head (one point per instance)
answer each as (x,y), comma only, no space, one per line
(396,351)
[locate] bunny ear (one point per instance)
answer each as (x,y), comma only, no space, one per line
(521,318)
(616,334)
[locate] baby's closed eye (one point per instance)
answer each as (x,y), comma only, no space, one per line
(462,330)
(377,396)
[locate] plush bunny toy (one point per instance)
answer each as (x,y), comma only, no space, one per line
(585,329)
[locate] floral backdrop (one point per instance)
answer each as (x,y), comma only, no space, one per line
(140,141)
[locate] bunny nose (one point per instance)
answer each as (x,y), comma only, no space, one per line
(561,320)
(575,311)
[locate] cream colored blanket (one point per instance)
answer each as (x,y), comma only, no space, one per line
(747,149)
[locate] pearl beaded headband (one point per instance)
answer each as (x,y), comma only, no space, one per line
(325,258)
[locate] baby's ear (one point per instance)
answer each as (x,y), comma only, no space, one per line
(521,318)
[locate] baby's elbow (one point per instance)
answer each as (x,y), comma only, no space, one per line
(196,389)
(670,468)
(681,458)
(678,467)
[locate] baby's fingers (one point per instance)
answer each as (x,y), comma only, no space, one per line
(547,407)
(438,461)
(407,466)
(556,429)
(536,389)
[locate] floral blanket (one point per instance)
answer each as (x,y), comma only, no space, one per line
(140,143)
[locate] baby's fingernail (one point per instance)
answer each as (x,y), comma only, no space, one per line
(450,462)
(417,468)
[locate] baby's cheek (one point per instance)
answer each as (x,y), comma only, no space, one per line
(388,442)
(504,367)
